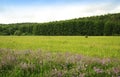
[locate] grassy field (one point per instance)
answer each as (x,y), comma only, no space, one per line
(100,46)
(59,56)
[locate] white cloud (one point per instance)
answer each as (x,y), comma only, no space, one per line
(53,13)
(116,10)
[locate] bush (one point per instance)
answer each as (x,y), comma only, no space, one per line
(86,36)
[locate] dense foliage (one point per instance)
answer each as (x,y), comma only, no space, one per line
(96,25)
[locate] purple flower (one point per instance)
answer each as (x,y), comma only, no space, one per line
(116,70)
(98,70)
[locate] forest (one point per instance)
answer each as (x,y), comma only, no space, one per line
(103,25)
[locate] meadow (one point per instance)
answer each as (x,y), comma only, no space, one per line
(99,46)
(59,56)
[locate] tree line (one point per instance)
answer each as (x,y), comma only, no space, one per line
(94,26)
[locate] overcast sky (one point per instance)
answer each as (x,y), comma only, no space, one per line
(17,11)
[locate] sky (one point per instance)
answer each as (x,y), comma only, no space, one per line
(21,11)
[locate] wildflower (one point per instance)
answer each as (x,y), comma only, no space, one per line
(98,70)
(82,75)
(104,61)
(57,73)
(116,70)
(24,66)
(27,67)
(27,52)
(78,57)
(8,60)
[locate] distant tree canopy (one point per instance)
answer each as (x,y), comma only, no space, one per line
(93,26)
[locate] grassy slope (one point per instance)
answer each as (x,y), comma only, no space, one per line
(93,46)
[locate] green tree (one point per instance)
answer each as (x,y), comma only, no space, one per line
(108,28)
(17,32)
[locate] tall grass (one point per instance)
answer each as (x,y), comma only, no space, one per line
(54,64)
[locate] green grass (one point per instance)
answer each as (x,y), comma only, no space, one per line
(46,64)
(97,46)
(59,56)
